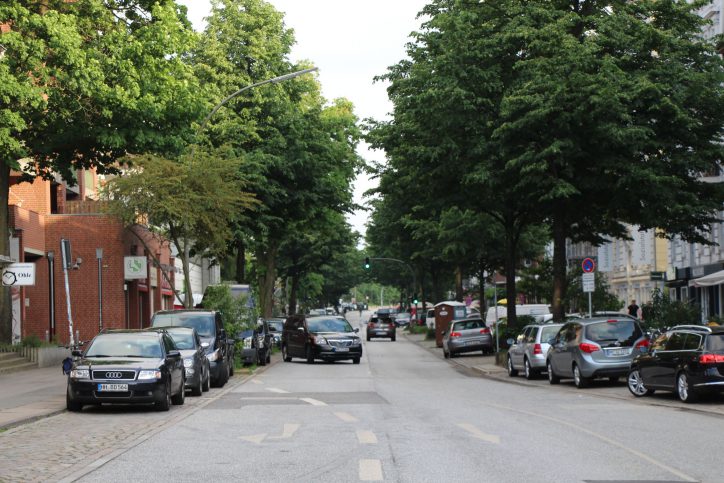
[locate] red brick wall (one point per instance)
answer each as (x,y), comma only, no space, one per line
(33,196)
(32,224)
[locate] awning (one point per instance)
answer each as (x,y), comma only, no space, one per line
(716,278)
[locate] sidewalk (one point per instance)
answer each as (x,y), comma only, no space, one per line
(31,394)
(484,365)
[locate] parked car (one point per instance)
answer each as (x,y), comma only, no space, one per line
(430,318)
(688,360)
(264,341)
(276,326)
(529,350)
(381,326)
(127,367)
(210,327)
(466,335)
(402,319)
(196,364)
(328,338)
(250,350)
(599,347)
(317,311)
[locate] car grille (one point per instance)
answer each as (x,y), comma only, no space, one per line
(112,375)
(340,343)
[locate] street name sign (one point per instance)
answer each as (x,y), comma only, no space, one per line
(19,274)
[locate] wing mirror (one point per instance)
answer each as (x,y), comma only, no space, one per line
(205,345)
(77,353)
(356,330)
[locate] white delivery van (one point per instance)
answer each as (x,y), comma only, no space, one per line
(541,312)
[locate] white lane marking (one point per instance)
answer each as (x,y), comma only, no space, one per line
(370,470)
(289,430)
(346,417)
(313,402)
(366,437)
(256,438)
(476,433)
(276,390)
(257,381)
(268,398)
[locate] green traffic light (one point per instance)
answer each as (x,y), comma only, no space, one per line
(367,263)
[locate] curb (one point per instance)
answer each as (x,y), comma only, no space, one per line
(31,419)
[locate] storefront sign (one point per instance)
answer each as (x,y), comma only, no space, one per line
(19,274)
(135,268)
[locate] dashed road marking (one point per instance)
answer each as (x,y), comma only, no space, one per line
(370,470)
(346,417)
(313,402)
(366,437)
(475,432)
(255,438)
(277,390)
(289,430)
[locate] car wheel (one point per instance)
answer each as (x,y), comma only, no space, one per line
(527,370)
(635,384)
(445,354)
(368,338)
(684,390)
(179,398)
(198,389)
(285,355)
(310,355)
(261,359)
(224,376)
(268,357)
(205,385)
(165,403)
(230,363)
(355,360)
(393,338)
(552,377)
(578,378)
(512,371)
(71,405)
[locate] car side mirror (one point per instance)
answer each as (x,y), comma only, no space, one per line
(77,353)
(356,330)
(205,345)
(174,354)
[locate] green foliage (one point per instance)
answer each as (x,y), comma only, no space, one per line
(31,341)
(601,299)
(371,292)
(236,314)
(663,312)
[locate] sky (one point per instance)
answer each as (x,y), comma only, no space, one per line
(351,41)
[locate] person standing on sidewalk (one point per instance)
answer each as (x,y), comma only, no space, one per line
(633,309)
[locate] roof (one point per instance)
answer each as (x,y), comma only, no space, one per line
(451,303)
(178,311)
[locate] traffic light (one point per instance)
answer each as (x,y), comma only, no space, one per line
(414,299)
(367,263)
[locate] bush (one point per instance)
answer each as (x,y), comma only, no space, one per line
(234,311)
(663,312)
(31,341)
(430,333)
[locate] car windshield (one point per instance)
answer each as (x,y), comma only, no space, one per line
(614,332)
(203,323)
(328,325)
(125,345)
(184,339)
(276,325)
(549,332)
(715,343)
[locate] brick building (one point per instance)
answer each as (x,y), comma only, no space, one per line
(44,212)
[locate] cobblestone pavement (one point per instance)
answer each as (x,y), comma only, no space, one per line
(53,448)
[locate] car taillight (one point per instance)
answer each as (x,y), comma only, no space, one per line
(537,349)
(643,343)
(485,331)
(455,334)
(588,348)
(711,359)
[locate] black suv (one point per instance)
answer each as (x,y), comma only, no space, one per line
(124,366)
(688,360)
(210,327)
(329,338)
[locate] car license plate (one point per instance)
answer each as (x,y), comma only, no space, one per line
(618,352)
(113,387)
(380,332)
(342,349)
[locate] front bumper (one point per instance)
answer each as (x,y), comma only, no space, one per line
(193,380)
(216,369)
(337,354)
(144,392)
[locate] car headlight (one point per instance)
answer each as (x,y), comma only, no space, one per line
(80,374)
(149,375)
(355,341)
(188,362)
(214,356)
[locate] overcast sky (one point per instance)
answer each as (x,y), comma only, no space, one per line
(351,41)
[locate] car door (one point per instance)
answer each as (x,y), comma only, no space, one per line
(518,349)
(669,359)
(175,364)
(223,343)
(297,337)
(648,363)
(566,348)
(558,348)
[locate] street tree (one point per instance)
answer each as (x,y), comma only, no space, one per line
(188,202)
(83,84)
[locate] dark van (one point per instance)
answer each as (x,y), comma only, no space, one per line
(210,327)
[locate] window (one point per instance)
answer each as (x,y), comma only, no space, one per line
(623,332)
(571,332)
(715,343)
(692,343)
(660,342)
(675,342)
(169,344)
(530,335)
(548,333)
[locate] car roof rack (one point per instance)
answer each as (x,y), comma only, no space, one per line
(702,328)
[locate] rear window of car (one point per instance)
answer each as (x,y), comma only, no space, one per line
(715,343)
(468,324)
(205,324)
(549,332)
(614,332)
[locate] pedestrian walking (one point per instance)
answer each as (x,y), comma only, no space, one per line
(633,309)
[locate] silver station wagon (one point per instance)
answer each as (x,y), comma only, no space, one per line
(528,351)
(467,335)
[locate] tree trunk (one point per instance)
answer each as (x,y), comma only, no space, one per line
(240,261)
(293,294)
(559,269)
(511,262)
(6,308)
(459,284)
(267,277)
(188,295)
(481,278)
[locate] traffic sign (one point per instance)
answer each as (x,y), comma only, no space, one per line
(588,281)
(660,276)
(588,265)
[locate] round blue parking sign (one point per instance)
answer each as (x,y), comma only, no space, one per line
(588,265)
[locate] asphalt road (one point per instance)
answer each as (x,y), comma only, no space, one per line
(406,415)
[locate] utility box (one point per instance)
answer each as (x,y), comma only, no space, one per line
(446,312)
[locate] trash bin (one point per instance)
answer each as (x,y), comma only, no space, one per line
(446,312)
